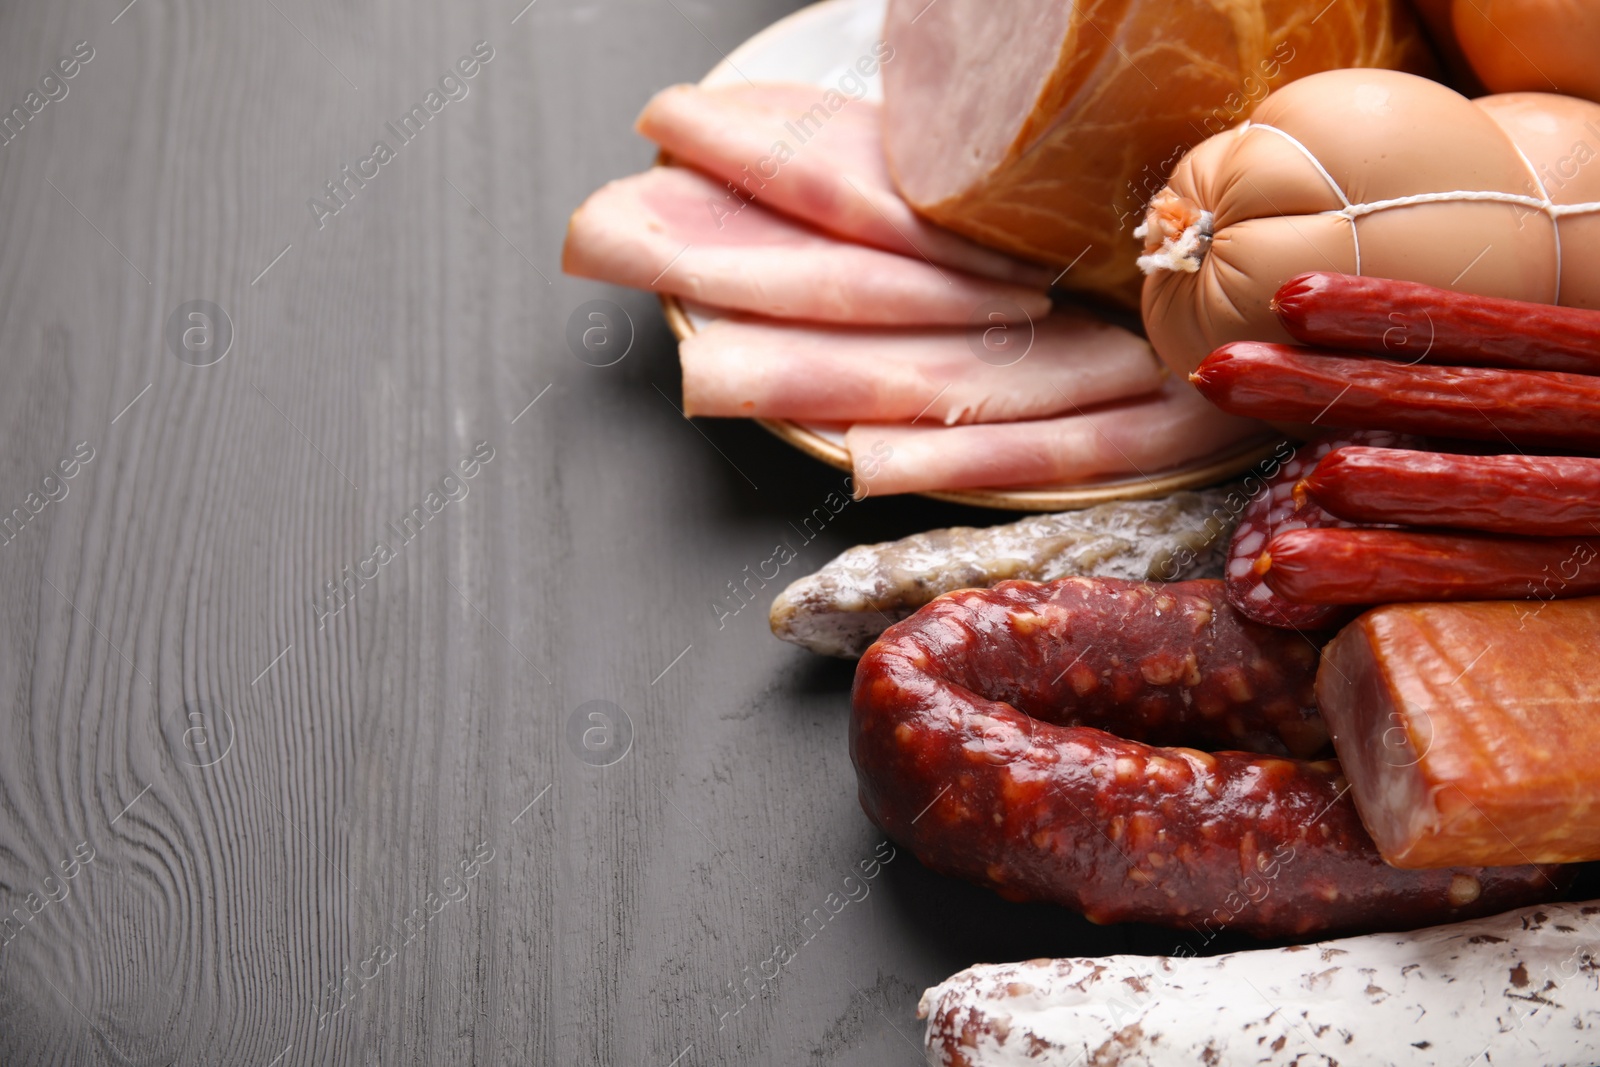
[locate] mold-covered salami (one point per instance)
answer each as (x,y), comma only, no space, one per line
(1277,508)
(1511,989)
(1041,806)
(842,608)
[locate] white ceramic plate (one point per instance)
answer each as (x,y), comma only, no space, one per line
(819,44)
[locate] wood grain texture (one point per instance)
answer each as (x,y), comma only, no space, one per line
(269,795)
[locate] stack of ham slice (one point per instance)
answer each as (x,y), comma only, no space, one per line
(840,305)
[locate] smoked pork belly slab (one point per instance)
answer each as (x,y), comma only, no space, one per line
(676,231)
(766,369)
(1138,437)
(1470,732)
(817,155)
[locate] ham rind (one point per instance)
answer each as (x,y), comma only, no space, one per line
(674,231)
(777,370)
(817,155)
(1141,437)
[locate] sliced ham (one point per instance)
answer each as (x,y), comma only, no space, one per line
(777,370)
(817,155)
(674,231)
(1142,437)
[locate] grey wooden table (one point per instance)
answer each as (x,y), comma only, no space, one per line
(321,544)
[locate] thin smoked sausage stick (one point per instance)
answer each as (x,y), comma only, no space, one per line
(1545,496)
(1412,322)
(1286,383)
(1277,506)
(1344,566)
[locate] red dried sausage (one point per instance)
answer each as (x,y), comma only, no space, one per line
(1548,496)
(1291,384)
(1163,663)
(1391,566)
(955,771)
(1413,322)
(1277,507)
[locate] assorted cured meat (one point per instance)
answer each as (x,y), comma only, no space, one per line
(843,306)
(1050,740)
(1134,711)
(983,741)
(1385,524)
(1519,408)
(1384,566)
(1552,496)
(1415,323)
(1277,506)
(1367,567)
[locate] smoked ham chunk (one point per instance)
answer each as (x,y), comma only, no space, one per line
(1042,127)
(675,231)
(1470,733)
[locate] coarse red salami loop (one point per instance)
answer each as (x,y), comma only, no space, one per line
(1277,508)
(951,767)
